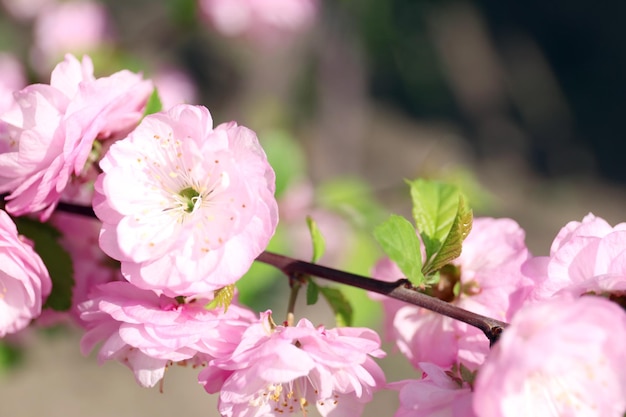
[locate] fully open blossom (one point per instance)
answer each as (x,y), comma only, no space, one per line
(259,20)
(24,279)
(587,256)
(146,332)
(285,370)
(437,394)
(557,358)
(51,133)
(488,279)
(186,208)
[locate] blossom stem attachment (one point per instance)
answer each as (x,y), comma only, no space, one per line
(401,289)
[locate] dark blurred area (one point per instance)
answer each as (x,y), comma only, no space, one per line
(544,80)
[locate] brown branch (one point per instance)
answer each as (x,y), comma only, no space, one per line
(401,289)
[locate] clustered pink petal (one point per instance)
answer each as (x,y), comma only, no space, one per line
(587,256)
(24,279)
(557,358)
(51,133)
(186,208)
(283,370)
(146,332)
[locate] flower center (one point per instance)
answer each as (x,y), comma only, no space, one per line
(190,199)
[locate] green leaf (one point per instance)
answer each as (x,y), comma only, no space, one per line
(319,245)
(223,298)
(10,356)
(154,104)
(56,259)
(453,243)
(312,292)
(339,304)
(435,206)
(399,240)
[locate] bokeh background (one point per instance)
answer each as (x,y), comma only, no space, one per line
(520,103)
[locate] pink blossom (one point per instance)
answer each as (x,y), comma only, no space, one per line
(146,332)
(488,280)
(557,358)
(284,370)
(587,256)
(51,134)
(76,26)
(259,20)
(438,394)
(24,279)
(186,208)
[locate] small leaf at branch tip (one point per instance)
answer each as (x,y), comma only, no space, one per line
(317,239)
(399,241)
(453,244)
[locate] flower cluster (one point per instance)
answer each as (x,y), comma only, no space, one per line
(184,207)
(561,354)
(284,370)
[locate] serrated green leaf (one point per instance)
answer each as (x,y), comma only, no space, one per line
(56,259)
(453,243)
(312,292)
(339,304)
(435,206)
(223,298)
(319,244)
(154,104)
(399,240)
